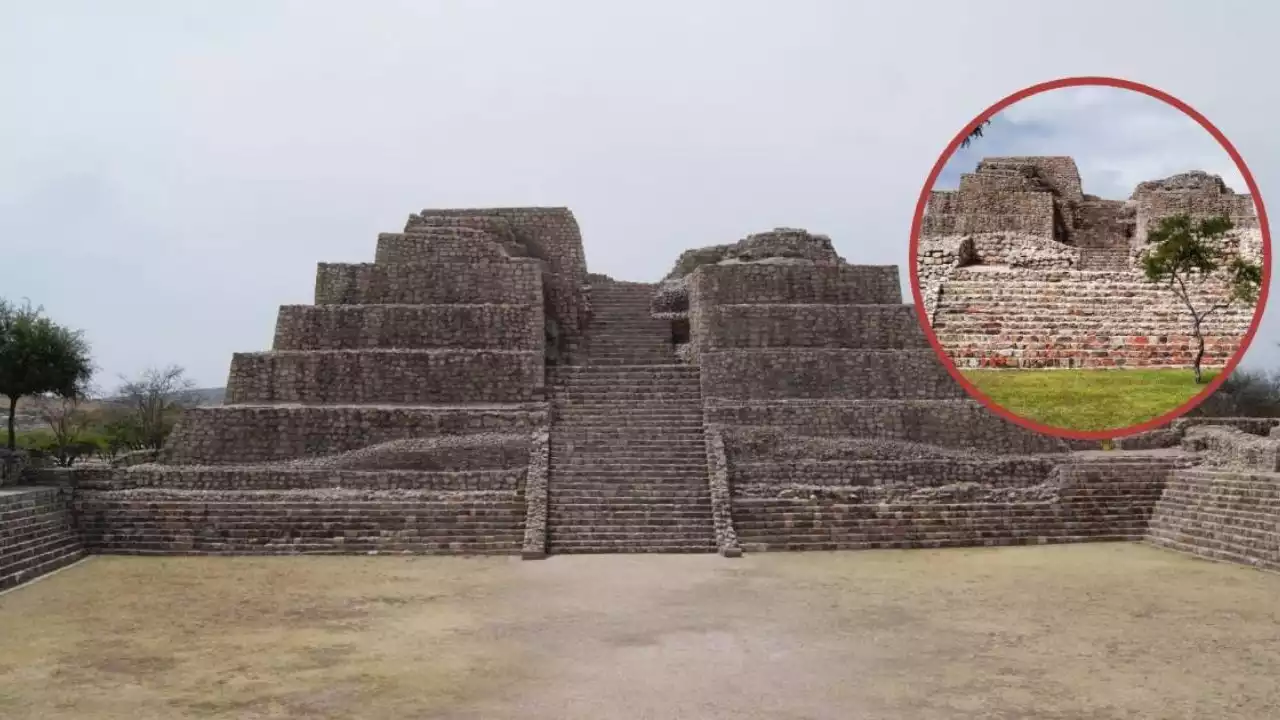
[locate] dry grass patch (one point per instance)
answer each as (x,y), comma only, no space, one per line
(314,637)
(1103,631)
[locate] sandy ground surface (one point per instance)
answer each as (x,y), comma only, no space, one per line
(1085,631)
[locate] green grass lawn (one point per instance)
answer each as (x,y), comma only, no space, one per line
(1088,400)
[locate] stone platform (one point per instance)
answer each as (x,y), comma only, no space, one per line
(474,391)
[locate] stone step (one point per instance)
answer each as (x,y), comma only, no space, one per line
(646,370)
(684,391)
(604,460)
(586,525)
(632,415)
(609,529)
(564,442)
(630,545)
(605,423)
(631,360)
(682,407)
(659,514)
(592,493)
(628,379)
(624,474)
(603,432)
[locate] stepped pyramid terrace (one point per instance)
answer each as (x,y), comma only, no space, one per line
(474,390)
(1018,267)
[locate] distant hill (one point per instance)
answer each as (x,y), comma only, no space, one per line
(27,418)
(211,396)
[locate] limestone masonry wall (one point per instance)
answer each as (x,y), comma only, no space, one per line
(1228,507)
(812,373)
(414,327)
(816,325)
(256,434)
(37,533)
(1069,293)
(515,283)
(453,245)
(549,234)
(385,376)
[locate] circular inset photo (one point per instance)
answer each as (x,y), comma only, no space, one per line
(1090,258)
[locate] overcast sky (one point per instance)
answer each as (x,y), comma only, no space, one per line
(172,172)
(1117,137)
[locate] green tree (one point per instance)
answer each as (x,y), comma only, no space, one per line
(1185,251)
(39,357)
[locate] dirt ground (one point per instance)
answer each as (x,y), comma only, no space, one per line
(1085,631)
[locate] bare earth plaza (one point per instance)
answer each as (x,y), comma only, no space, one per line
(750,489)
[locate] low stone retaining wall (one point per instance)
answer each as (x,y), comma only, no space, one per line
(1091,500)
(37,533)
(1224,515)
(167,522)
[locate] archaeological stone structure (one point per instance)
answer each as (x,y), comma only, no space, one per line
(1018,267)
(475,390)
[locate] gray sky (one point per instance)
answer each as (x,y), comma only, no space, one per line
(172,172)
(1117,137)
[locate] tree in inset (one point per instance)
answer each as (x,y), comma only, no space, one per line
(1183,253)
(39,357)
(974,134)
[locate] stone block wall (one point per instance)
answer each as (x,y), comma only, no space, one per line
(830,374)
(1069,318)
(548,234)
(1224,515)
(386,376)
(990,211)
(464,246)
(891,327)
(1072,293)
(945,423)
(513,283)
(394,415)
(795,284)
(37,533)
(848,433)
(254,434)
(413,327)
(1081,500)
(264,522)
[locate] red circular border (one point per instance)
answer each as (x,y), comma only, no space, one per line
(1262,223)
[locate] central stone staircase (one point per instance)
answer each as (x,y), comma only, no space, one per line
(628,454)
(622,330)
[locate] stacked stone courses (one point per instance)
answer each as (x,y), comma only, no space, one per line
(1018,268)
(395,415)
(860,440)
(37,533)
(475,391)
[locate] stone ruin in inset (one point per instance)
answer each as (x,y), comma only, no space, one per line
(475,390)
(1019,268)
